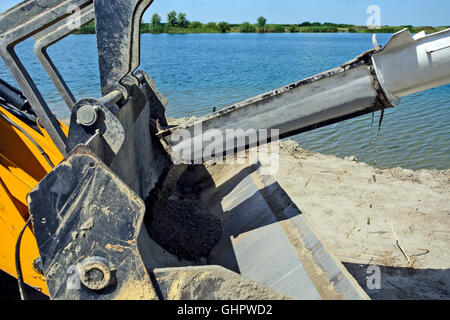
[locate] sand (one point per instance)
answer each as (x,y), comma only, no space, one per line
(396,219)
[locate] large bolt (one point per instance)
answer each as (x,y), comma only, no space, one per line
(87,115)
(112,98)
(96,273)
(37,265)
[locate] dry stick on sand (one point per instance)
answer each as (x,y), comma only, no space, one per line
(309,180)
(410,262)
(425,251)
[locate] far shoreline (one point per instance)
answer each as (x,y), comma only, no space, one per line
(214,28)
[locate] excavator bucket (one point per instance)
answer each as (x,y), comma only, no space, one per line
(126,206)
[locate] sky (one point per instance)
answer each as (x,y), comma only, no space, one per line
(392,12)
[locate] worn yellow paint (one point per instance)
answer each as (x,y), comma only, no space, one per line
(22,166)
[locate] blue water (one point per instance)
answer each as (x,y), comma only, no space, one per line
(197,72)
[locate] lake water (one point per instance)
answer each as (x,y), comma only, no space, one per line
(197,72)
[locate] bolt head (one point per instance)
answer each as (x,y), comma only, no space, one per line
(87,115)
(96,273)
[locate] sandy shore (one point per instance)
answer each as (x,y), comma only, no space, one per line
(396,219)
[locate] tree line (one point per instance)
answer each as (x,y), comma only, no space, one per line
(178,23)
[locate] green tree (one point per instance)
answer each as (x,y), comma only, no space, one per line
(182,21)
(224,26)
(212,26)
(156,20)
(87,29)
(196,25)
(145,28)
(293,29)
(275,28)
(261,23)
(172,19)
(246,27)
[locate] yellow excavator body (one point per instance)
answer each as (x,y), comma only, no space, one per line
(22,166)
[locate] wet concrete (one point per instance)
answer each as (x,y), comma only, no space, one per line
(178,223)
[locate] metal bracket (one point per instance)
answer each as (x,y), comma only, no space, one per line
(103,121)
(20,23)
(50,36)
(118,39)
(87,222)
